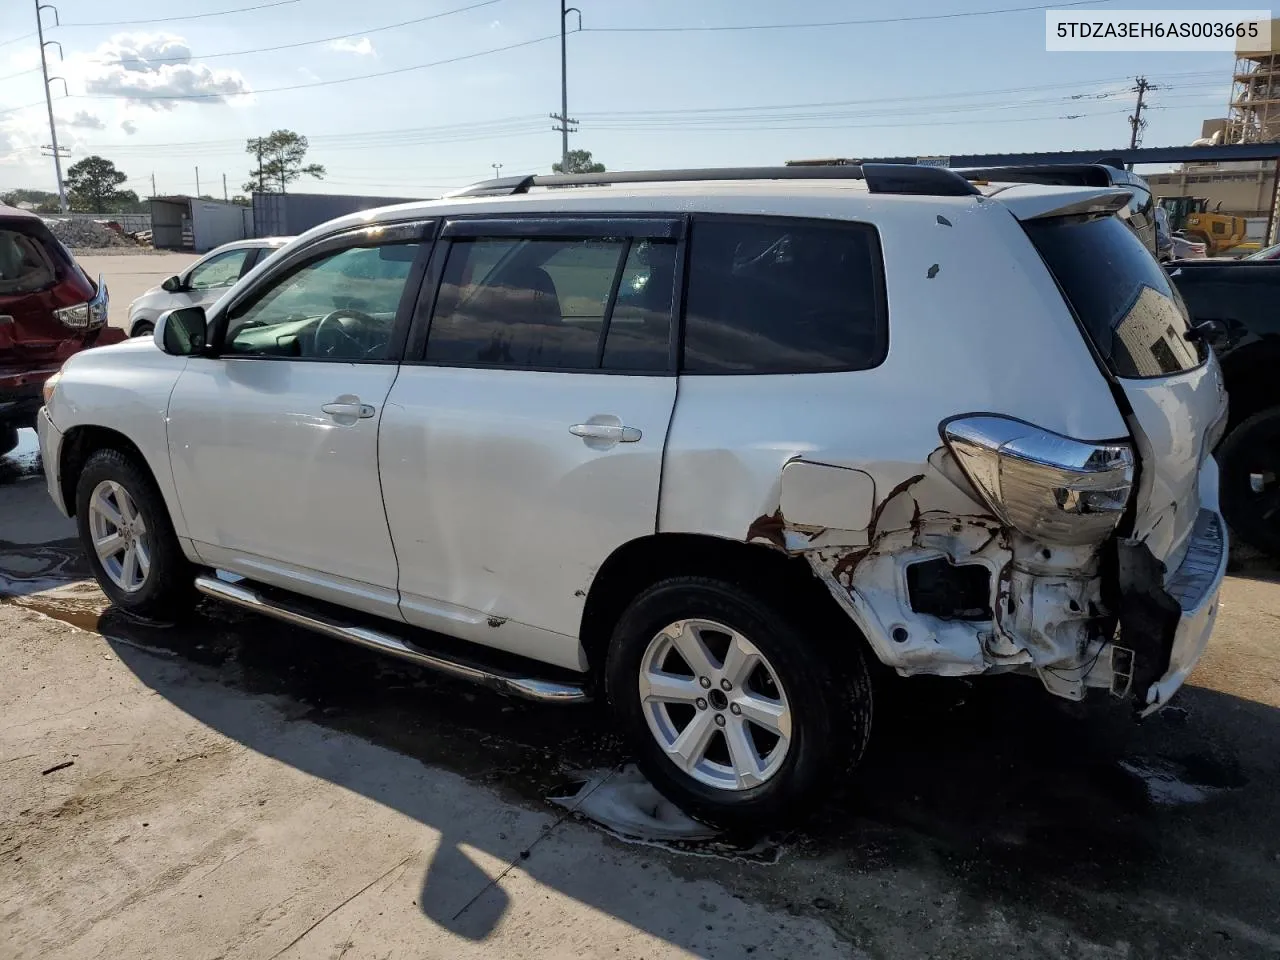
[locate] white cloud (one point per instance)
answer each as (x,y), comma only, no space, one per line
(361,48)
(156,70)
(87,120)
(129,127)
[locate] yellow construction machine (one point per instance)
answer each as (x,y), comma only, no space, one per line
(1219,232)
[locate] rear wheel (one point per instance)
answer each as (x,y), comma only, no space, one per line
(1250,481)
(733,712)
(126,533)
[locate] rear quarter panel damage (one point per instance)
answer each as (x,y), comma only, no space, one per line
(845,468)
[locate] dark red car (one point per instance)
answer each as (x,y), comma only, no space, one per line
(49,309)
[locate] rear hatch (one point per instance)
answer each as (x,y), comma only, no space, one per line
(1138,327)
(38,276)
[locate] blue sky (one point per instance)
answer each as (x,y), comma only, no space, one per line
(946,86)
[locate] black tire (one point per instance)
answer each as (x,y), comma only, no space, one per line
(169,588)
(143,328)
(8,438)
(1253,449)
(827,687)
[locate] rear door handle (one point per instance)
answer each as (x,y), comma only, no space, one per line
(362,411)
(606,431)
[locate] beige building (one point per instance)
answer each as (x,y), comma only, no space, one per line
(1244,193)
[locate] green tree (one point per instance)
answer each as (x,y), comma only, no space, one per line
(579,162)
(92,183)
(280,157)
(43,200)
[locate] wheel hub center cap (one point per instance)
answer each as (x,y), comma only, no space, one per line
(718,700)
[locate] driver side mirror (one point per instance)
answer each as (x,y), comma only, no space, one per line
(173,284)
(182,332)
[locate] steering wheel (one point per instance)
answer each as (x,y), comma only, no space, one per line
(331,332)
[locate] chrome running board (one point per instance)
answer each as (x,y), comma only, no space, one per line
(242,594)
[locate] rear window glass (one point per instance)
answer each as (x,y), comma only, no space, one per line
(25,267)
(1127,305)
(783,296)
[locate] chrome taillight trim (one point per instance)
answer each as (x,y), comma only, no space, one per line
(1048,486)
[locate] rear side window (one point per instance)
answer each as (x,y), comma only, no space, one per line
(25,267)
(1127,306)
(772,295)
(555,304)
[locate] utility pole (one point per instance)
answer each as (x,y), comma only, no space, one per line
(48,98)
(1136,123)
(197,181)
(497,169)
(224,188)
(562,118)
(153,183)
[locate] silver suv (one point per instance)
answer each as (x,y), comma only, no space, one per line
(700,441)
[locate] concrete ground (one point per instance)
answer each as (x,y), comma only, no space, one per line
(240,789)
(128,275)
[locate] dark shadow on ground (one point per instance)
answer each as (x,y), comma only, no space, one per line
(1162,836)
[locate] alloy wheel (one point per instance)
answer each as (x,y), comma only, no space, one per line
(120,536)
(715,704)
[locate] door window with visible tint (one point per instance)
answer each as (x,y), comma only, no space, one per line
(220,271)
(773,295)
(24,265)
(545,303)
(341,306)
(1125,302)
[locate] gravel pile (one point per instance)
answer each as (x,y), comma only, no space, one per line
(88,233)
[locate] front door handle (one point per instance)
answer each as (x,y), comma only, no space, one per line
(613,432)
(338,408)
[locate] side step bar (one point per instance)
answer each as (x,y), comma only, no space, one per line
(529,688)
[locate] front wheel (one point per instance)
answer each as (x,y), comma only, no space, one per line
(1250,481)
(143,328)
(734,712)
(126,533)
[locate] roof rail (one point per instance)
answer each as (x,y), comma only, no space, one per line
(1052,174)
(898,178)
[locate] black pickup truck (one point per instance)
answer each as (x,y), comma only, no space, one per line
(1236,306)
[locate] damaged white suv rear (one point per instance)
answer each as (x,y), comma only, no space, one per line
(699,441)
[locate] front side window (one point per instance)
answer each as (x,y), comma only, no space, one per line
(546,303)
(341,306)
(779,296)
(218,271)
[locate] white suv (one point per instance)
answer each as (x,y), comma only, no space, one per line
(700,441)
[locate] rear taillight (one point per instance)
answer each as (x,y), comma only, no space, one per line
(86,315)
(1043,484)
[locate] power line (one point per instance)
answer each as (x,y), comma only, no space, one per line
(307,43)
(844,23)
(187,16)
(319,83)
(25,36)
(20,73)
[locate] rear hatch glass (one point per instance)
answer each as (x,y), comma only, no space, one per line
(1128,307)
(25,266)
(1138,323)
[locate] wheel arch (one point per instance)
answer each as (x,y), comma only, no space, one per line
(640,563)
(81,443)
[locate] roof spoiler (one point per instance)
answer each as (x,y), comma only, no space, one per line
(897,178)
